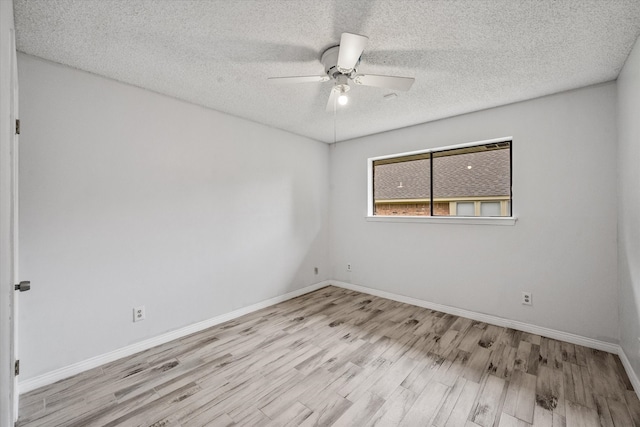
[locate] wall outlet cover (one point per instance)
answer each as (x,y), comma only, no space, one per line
(139,313)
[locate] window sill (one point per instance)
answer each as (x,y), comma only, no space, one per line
(504,220)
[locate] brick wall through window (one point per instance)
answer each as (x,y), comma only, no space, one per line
(411,209)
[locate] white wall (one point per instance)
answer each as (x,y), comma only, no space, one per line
(629,206)
(562,249)
(132,198)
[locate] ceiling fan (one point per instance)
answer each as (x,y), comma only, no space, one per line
(340,64)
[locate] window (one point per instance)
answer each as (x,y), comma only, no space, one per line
(463,181)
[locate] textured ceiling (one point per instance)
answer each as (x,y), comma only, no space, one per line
(465,55)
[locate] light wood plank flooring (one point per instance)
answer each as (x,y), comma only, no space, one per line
(343,358)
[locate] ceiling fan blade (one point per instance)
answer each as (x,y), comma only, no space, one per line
(351,47)
(298,79)
(387,82)
(332,103)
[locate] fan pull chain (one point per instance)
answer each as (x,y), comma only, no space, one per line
(335,112)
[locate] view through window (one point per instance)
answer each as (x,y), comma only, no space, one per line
(466,181)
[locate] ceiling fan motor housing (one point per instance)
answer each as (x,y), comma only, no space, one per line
(330,61)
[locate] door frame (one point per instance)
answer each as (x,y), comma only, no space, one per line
(8,216)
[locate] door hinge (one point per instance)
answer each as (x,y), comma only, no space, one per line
(17,368)
(17,126)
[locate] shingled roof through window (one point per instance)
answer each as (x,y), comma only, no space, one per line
(488,175)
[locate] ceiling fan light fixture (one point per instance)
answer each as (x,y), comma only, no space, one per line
(342,89)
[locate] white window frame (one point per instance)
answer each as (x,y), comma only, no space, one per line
(477,220)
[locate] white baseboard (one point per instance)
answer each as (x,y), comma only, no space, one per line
(68,371)
(85,365)
(487,318)
(633,377)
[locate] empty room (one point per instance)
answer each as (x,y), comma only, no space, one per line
(331,213)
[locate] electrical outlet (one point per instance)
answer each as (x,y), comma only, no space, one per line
(139,313)
(315,270)
(527,298)
(348,267)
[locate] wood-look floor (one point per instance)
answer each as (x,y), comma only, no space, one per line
(343,358)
